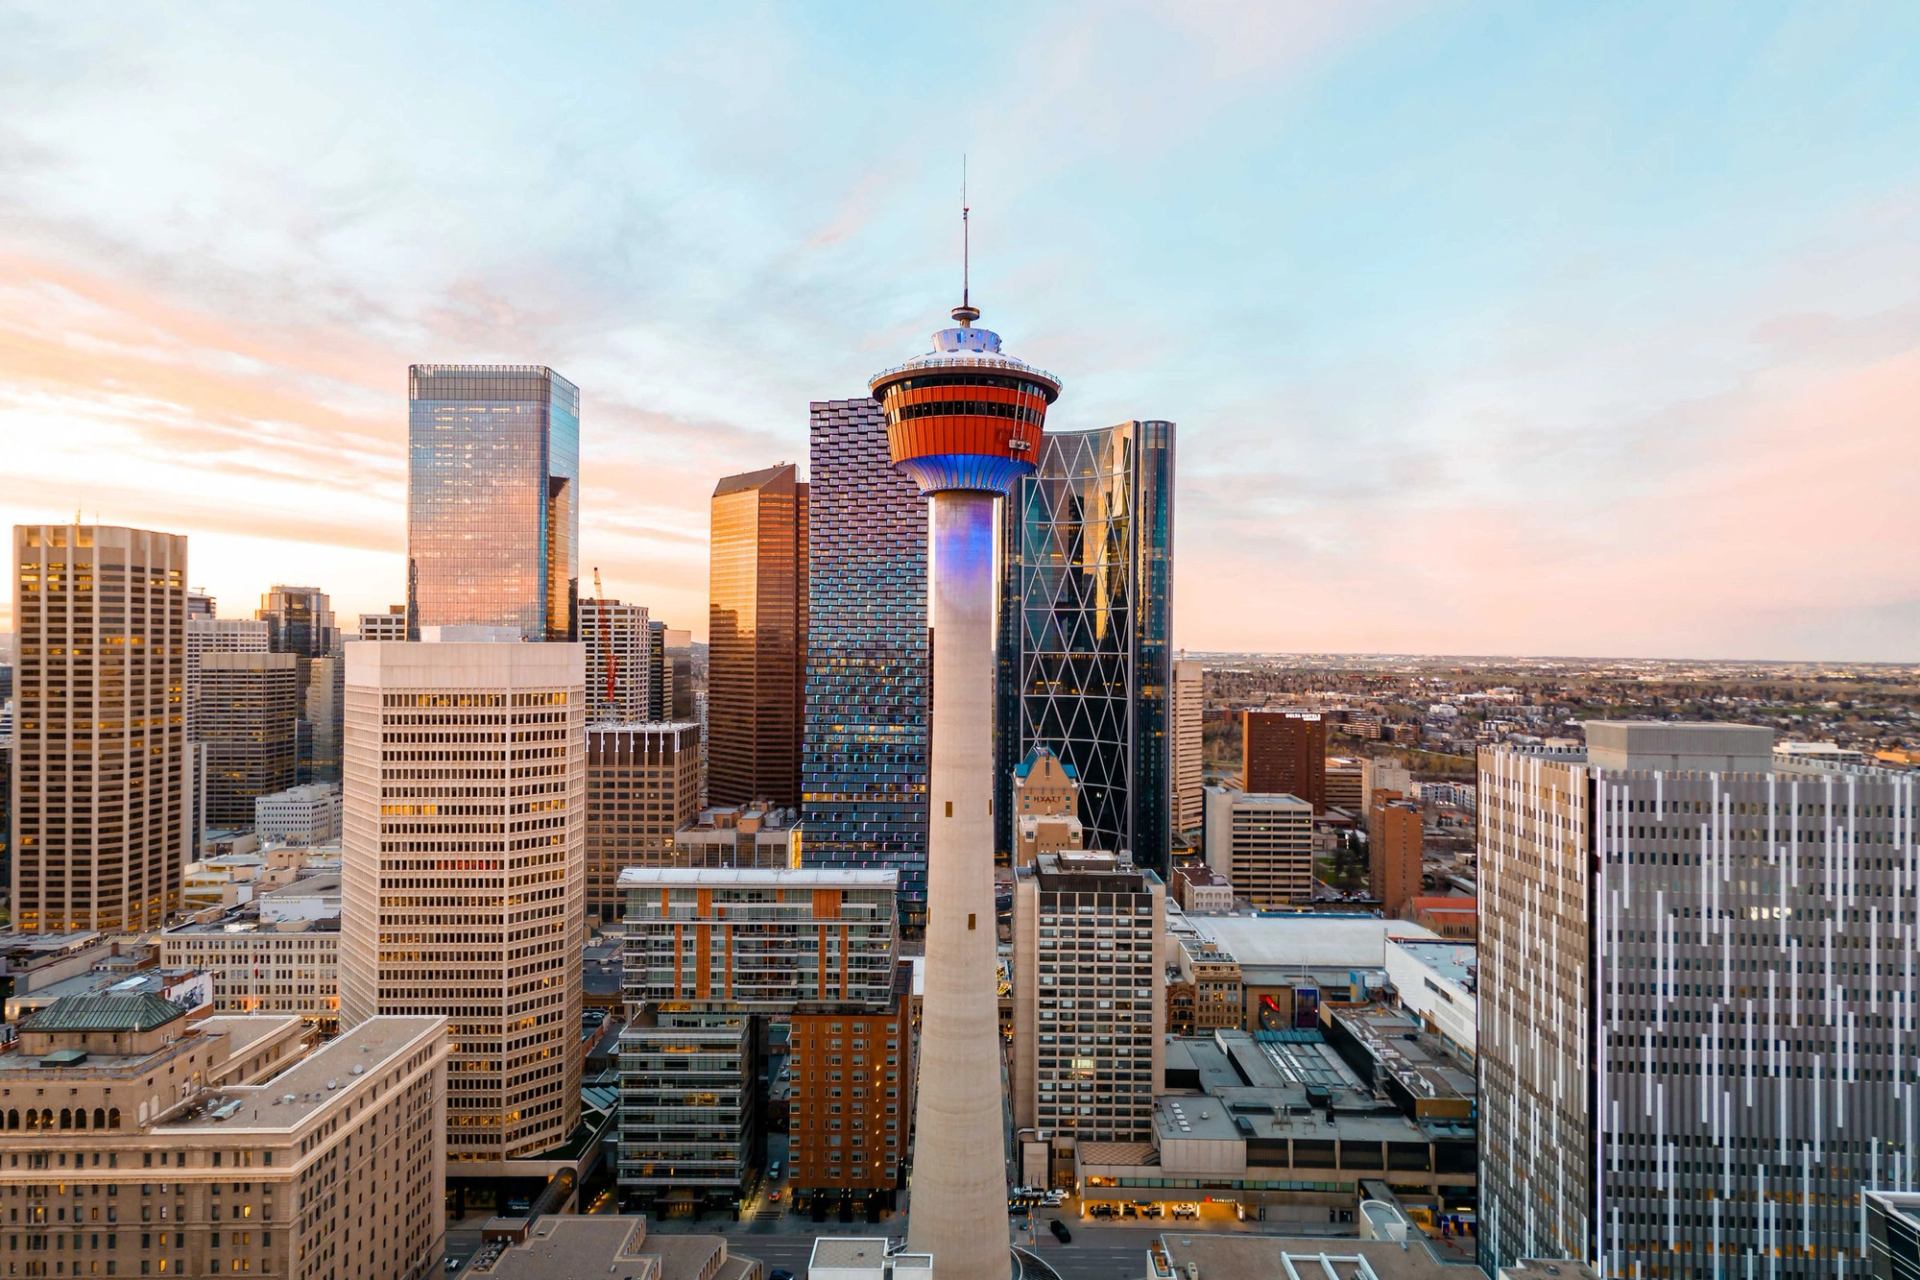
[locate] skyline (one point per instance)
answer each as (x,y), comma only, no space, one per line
(1486,333)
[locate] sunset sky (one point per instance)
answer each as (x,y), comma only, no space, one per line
(1562,329)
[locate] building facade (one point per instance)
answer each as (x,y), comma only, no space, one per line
(1696,985)
(249,722)
(1189,745)
(1046,807)
(851,1071)
(463,874)
(493,499)
(164,1146)
(753,836)
(305,815)
(619,679)
(757,637)
(643,784)
(864,784)
(102,800)
(1089,1012)
(1284,753)
(391,625)
(208,634)
(1085,666)
(1395,837)
(1262,844)
(708,951)
(264,966)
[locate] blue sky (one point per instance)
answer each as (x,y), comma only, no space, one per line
(1493,329)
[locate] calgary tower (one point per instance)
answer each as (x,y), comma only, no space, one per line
(964,421)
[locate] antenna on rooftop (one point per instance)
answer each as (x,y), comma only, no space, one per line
(966,313)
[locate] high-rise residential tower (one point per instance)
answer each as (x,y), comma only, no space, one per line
(248,720)
(965,421)
(757,636)
(462,874)
(1087,604)
(101,797)
(1698,1003)
(1284,753)
(493,499)
(1189,745)
(619,682)
(1089,1018)
(864,783)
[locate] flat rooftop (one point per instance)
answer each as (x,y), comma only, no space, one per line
(1247,1257)
(1404,1051)
(1296,942)
(768,877)
(314,1083)
(1456,962)
(565,1246)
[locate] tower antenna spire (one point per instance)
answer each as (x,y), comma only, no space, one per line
(966,313)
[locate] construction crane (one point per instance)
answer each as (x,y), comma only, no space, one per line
(606,636)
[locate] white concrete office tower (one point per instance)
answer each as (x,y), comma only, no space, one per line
(619,675)
(463,874)
(1698,1003)
(1189,746)
(965,422)
(1262,844)
(101,809)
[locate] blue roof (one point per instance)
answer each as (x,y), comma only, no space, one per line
(1039,752)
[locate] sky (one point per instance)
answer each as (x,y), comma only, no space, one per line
(1497,329)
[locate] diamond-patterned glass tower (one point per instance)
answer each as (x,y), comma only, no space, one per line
(1086,615)
(864,758)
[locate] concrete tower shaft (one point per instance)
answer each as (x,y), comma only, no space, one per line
(965,422)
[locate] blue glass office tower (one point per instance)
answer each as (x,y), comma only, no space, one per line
(1086,615)
(493,499)
(864,758)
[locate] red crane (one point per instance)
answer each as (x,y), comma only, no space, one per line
(606,635)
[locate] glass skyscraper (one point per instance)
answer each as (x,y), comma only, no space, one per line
(864,767)
(493,499)
(1086,615)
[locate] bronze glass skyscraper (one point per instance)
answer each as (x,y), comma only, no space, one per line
(493,511)
(757,633)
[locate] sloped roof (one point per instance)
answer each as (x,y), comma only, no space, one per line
(142,1012)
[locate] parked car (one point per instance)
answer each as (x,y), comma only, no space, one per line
(780,1273)
(1060,1231)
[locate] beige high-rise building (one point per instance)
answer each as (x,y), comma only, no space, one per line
(643,784)
(463,874)
(1263,844)
(137,1142)
(1189,746)
(102,814)
(1089,1018)
(249,717)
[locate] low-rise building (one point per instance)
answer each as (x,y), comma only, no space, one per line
(1292,965)
(864,1258)
(304,815)
(264,966)
(1456,916)
(1224,1256)
(1436,980)
(1198,889)
(1276,1126)
(139,1143)
(749,836)
(563,1246)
